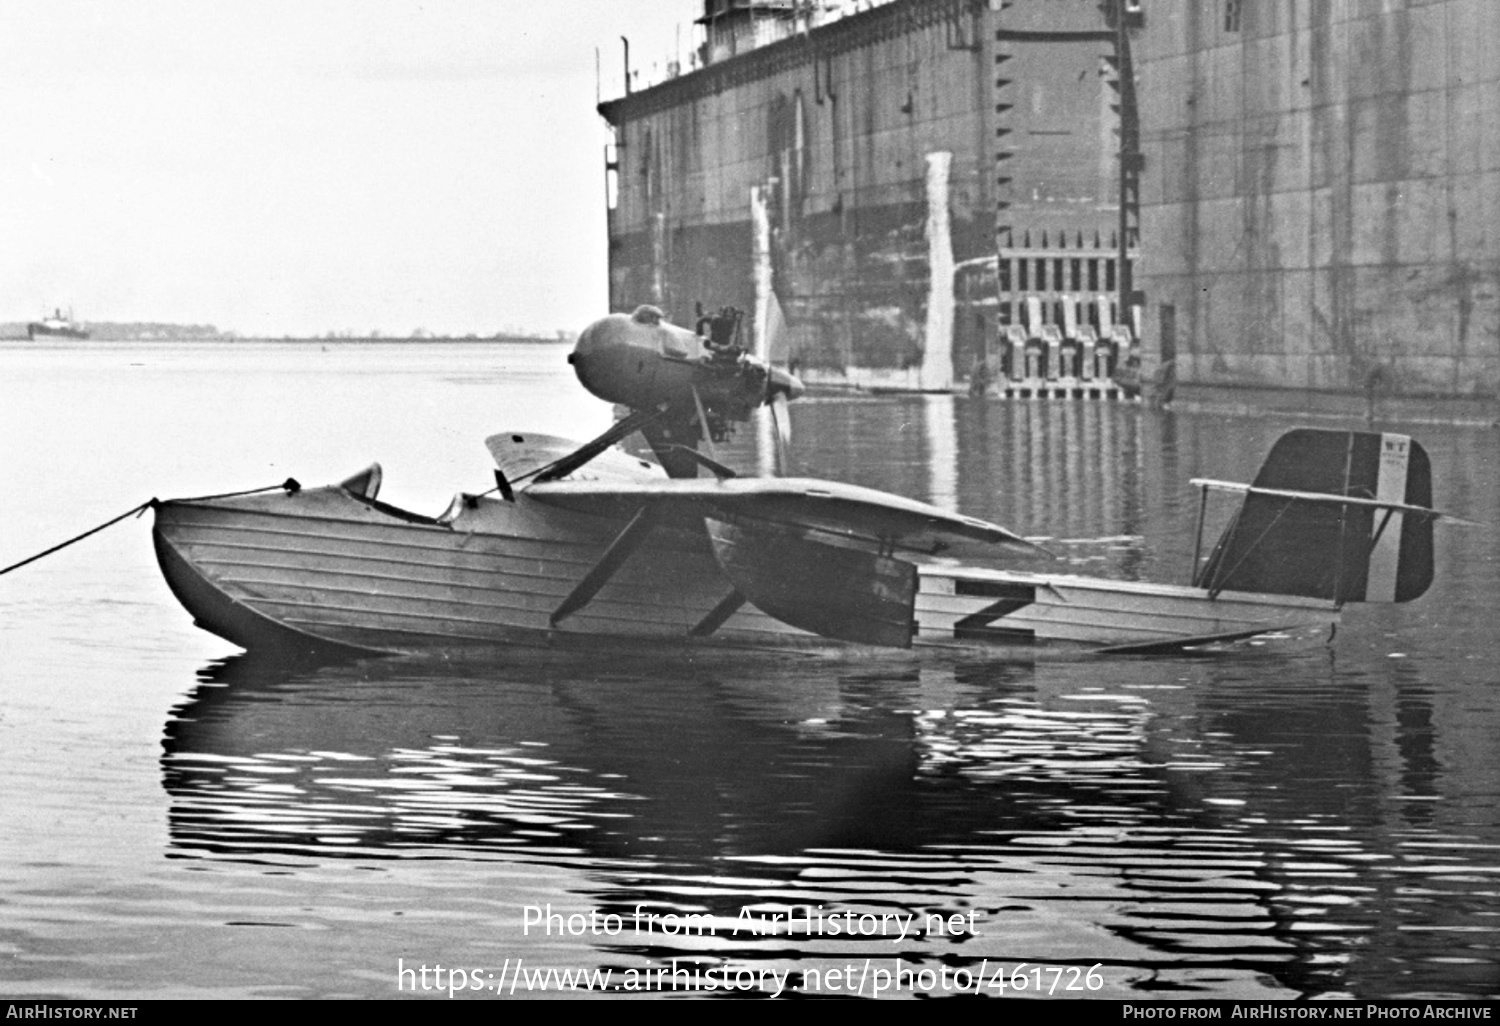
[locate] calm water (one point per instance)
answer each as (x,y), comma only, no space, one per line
(178,820)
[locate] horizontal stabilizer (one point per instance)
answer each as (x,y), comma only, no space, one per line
(1336,500)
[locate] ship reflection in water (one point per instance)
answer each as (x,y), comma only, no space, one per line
(1184,824)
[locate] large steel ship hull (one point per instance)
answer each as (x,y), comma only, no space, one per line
(35,331)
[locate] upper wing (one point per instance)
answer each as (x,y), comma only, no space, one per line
(849,511)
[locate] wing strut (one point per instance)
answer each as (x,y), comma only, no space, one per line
(718,615)
(624,426)
(625,543)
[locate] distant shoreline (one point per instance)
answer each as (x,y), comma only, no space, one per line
(299,339)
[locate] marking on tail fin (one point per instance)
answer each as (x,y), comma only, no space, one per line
(1390,486)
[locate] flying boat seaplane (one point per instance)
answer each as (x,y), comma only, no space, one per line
(584,544)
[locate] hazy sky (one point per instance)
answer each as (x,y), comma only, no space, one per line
(275,166)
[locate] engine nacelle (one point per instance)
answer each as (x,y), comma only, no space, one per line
(641,361)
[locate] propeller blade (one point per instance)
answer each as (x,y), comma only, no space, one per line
(781,421)
(703,433)
(770,335)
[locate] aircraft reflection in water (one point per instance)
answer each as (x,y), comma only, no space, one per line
(1144,827)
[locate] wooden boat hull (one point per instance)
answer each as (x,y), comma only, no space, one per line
(979,606)
(324,566)
(327,567)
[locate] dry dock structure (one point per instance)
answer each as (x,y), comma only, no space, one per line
(1079,198)
(927,188)
(1321,204)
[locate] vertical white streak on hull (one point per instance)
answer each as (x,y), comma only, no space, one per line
(658,258)
(941,434)
(937,347)
(760,219)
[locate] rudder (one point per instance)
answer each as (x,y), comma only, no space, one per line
(1290,545)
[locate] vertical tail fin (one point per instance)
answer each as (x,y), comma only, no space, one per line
(1305,544)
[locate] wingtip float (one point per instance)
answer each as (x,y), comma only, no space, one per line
(585,544)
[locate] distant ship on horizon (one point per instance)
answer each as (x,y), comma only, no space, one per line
(56,326)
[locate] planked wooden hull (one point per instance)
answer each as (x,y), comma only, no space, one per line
(325,567)
(979,606)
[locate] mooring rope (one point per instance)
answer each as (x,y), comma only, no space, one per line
(290,485)
(137,511)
